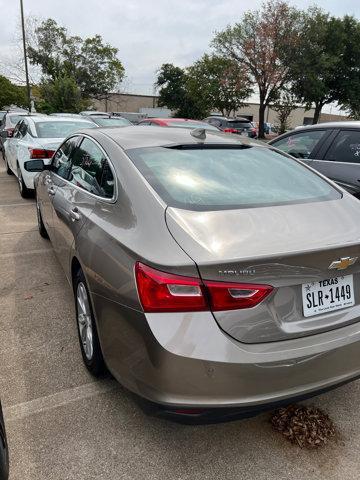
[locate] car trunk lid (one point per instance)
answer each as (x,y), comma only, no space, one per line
(284,246)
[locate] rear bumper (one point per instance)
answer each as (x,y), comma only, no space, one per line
(185,360)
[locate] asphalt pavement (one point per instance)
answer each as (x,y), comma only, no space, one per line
(64,424)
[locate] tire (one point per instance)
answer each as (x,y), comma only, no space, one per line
(8,170)
(86,326)
(4,453)
(24,191)
(41,226)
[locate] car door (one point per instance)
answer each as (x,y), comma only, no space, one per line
(11,146)
(51,179)
(343,159)
(303,144)
(75,198)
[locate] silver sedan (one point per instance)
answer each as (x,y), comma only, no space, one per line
(209,274)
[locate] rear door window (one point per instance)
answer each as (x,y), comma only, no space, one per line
(91,171)
(300,145)
(345,147)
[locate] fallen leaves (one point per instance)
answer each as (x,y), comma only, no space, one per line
(307,427)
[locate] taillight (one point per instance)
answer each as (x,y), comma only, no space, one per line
(9,132)
(234,296)
(166,292)
(40,153)
(230,130)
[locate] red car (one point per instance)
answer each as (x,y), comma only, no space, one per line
(177,122)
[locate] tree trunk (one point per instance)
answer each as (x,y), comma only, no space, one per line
(262,108)
(318,108)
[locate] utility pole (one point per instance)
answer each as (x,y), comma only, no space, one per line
(25,56)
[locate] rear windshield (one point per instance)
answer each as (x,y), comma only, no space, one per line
(192,125)
(237,124)
(113,122)
(60,129)
(14,119)
(228,178)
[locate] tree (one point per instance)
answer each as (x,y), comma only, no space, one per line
(284,105)
(262,44)
(174,93)
(90,62)
(316,68)
(61,95)
(11,94)
(219,83)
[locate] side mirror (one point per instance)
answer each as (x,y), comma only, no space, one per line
(36,166)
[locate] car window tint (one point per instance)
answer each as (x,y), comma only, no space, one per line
(60,129)
(223,178)
(91,171)
(346,147)
(17,133)
(300,145)
(62,159)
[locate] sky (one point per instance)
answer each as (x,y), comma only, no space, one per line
(147,33)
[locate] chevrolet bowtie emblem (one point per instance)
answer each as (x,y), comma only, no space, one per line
(343,263)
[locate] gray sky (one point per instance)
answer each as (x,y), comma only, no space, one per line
(146,32)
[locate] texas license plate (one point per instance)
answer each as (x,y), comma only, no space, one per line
(328,295)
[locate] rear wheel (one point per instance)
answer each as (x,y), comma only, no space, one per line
(24,191)
(41,226)
(88,336)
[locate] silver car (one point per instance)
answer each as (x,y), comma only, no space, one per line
(209,273)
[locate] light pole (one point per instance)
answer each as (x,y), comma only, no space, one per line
(25,56)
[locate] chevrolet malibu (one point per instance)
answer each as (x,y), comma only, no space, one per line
(209,274)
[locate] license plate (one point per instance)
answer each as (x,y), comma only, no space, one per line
(328,295)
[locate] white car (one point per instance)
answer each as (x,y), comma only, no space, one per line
(37,138)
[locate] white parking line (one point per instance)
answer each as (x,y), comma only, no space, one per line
(56,400)
(16,204)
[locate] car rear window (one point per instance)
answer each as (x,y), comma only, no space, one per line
(211,178)
(237,124)
(58,129)
(14,119)
(113,122)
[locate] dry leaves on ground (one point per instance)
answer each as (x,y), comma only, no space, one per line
(307,427)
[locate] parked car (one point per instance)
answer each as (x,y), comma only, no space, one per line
(177,122)
(133,117)
(109,121)
(4,453)
(331,148)
(2,114)
(7,126)
(237,125)
(208,273)
(36,138)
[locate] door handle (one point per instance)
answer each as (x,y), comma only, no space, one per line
(51,190)
(74,214)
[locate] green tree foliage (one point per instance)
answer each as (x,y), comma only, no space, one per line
(91,63)
(11,94)
(316,68)
(219,84)
(61,95)
(284,105)
(174,93)
(262,44)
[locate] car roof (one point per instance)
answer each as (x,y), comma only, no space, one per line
(345,123)
(140,137)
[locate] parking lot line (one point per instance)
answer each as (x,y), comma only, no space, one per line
(49,402)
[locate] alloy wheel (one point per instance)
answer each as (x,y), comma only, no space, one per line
(84,321)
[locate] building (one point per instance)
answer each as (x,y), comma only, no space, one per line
(128,102)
